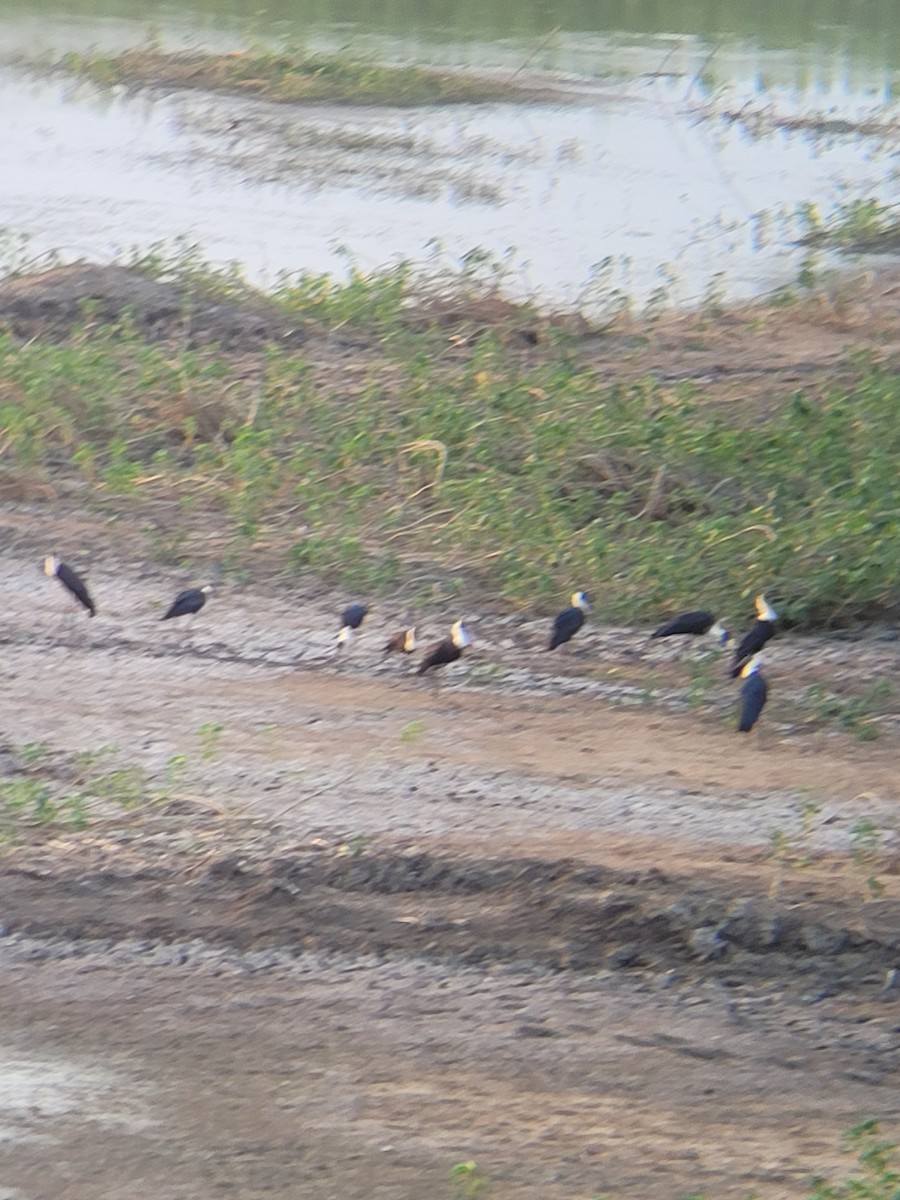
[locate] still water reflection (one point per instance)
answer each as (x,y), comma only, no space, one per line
(631,189)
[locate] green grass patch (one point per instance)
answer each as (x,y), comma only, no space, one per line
(55,792)
(447,463)
(288,75)
(51,791)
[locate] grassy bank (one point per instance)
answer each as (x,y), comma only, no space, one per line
(288,75)
(465,459)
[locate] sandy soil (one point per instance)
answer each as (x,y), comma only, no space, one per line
(530,917)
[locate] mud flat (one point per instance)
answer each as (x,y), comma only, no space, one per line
(535,918)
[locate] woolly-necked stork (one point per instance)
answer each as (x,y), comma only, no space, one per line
(447,651)
(694,624)
(187,603)
(71,581)
(754,693)
(760,632)
(403,642)
(569,621)
(351,619)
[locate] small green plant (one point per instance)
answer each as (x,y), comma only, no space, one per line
(30,803)
(866,839)
(209,735)
(862,224)
(468,1180)
(85,760)
(127,786)
(792,851)
(355,846)
(701,682)
(412,730)
(858,713)
(175,769)
(878,1173)
(33,753)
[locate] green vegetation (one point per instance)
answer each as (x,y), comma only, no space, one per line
(859,713)
(878,1175)
(288,75)
(468,1181)
(57,791)
(860,226)
(412,730)
(209,734)
(793,851)
(867,856)
(459,458)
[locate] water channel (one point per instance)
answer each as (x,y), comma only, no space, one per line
(635,184)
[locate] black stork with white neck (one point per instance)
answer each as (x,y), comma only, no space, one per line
(187,603)
(351,619)
(447,651)
(567,623)
(760,632)
(71,581)
(754,693)
(700,623)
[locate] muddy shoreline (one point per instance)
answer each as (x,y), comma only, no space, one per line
(533,919)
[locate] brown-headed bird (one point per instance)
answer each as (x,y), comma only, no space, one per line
(403,642)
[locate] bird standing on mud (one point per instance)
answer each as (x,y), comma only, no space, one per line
(569,621)
(694,624)
(760,632)
(187,603)
(447,651)
(754,694)
(72,582)
(403,642)
(351,619)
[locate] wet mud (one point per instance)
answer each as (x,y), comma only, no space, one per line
(533,917)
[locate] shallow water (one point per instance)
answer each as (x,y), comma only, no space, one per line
(635,189)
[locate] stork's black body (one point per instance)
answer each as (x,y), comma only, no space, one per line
(759,633)
(696,623)
(72,582)
(187,603)
(439,655)
(445,652)
(354,615)
(754,693)
(567,623)
(351,619)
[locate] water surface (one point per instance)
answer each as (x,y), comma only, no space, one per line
(635,188)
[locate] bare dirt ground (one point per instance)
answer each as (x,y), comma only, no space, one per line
(531,918)
(553,915)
